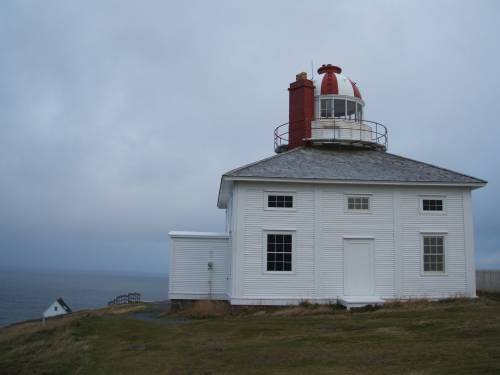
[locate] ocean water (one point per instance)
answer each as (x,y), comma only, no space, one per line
(26,294)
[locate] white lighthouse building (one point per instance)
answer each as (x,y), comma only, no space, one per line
(332,217)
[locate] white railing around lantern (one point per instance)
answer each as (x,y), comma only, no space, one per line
(361,133)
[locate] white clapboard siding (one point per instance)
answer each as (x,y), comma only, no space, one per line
(257,283)
(320,223)
(336,223)
(414,282)
(189,273)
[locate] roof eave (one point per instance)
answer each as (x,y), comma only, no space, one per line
(225,188)
(187,234)
(226,178)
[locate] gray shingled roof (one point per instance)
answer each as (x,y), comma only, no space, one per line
(64,305)
(349,164)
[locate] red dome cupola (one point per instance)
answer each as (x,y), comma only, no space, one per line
(335,83)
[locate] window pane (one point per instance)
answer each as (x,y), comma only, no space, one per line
(350,204)
(326,108)
(280,201)
(432,205)
(339,107)
(433,258)
(279,252)
(358,203)
(364,203)
(351,110)
(359,112)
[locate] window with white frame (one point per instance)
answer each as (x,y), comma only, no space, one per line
(279,200)
(432,205)
(358,203)
(359,112)
(433,253)
(351,110)
(279,252)
(326,110)
(339,108)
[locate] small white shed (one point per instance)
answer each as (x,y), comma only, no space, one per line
(59,307)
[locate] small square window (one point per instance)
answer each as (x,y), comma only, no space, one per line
(432,205)
(358,203)
(279,201)
(279,252)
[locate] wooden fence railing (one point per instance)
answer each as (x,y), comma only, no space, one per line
(488,280)
(124,299)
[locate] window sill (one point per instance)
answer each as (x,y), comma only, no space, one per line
(279,272)
(433,273)
(433,213)
(358,212)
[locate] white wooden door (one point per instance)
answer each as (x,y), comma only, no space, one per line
(359,267)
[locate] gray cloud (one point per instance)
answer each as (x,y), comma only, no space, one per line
(117,118)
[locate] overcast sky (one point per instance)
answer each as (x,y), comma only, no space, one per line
(117,118)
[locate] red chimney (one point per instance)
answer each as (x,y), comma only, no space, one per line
(301,94)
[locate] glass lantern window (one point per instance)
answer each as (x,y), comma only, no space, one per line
(351,110)
(359,112)
(339,107)
(326,108)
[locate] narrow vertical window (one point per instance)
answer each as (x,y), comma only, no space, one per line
(339,107)
(279,252)
(359,112)
(351,110)
(433,253)
(326,110)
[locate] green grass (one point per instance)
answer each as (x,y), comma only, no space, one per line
(455,337)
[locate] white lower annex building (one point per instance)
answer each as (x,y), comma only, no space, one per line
(332,217)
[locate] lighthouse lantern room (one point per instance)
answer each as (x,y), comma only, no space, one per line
(328,114)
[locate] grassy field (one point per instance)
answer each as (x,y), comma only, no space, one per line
(459,337)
